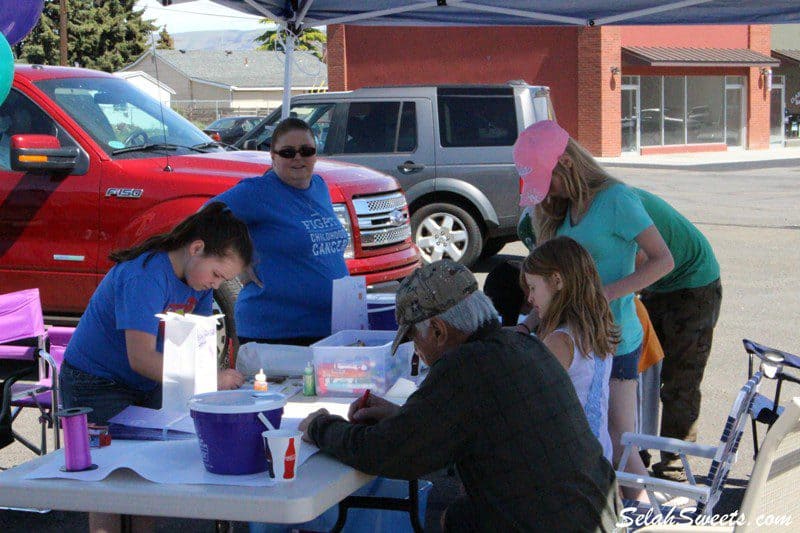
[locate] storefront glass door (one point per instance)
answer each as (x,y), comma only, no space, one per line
(777,106)
(734,109)
(630,113)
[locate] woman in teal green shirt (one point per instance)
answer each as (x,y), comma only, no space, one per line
(574,196)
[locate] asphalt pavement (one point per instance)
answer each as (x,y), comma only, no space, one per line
(745,203)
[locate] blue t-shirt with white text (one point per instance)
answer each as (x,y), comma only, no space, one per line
(129,297)
(300,246)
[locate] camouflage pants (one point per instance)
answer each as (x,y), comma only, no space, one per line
(684,321)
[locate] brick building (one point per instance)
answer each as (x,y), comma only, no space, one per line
(614,88)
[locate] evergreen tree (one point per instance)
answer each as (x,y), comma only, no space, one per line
(101,35)
(310,40)
(165,41)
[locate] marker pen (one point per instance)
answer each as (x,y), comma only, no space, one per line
(362,402)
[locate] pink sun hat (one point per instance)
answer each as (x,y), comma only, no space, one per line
(536,153)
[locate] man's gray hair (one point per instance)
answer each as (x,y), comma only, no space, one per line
(468,315)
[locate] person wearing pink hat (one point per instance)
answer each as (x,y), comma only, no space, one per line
(572,195)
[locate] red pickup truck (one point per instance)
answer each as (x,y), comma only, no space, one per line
(89,164)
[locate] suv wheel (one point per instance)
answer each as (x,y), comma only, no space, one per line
(446,231)
(227,341)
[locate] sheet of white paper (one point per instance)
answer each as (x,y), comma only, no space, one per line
(349,304)
(143,417)
(170,462)
(185,424)
(401,390)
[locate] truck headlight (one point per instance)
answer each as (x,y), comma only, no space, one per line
(344,220)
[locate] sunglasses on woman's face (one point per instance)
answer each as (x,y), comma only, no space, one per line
(290,151)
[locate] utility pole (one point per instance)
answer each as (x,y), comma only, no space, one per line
(62,31)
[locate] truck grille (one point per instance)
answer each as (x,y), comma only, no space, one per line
(382,220)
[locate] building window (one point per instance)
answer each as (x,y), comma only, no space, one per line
(650,114)
(688,110)
(706,103)
(674,110)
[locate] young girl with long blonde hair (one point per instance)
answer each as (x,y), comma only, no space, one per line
(575,323)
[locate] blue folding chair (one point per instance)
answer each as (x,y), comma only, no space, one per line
(776,365)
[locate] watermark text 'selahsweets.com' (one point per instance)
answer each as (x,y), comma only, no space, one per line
(686,515)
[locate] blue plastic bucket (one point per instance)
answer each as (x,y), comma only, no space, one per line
(229,430)
(380,311)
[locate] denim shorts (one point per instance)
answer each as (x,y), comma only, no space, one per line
(104,396)
(626,366)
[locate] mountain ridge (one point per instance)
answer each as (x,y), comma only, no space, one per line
(217,40)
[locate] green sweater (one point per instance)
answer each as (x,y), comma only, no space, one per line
(695,263)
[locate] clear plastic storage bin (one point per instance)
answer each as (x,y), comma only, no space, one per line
(351,361)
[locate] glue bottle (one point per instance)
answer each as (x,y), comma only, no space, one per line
(309,386)
(260,383)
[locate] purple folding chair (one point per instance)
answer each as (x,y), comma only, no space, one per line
(23,341)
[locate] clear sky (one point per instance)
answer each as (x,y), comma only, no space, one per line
(198,15)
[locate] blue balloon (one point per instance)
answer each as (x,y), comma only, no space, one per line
(6,68)
(17,18)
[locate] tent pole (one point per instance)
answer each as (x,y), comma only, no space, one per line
(289,43)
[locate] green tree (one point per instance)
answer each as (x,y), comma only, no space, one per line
(310,40)
(165,41)
(101,35)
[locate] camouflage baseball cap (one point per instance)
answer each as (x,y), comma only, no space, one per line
(429,291)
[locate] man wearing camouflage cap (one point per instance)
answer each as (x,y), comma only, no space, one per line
(495,402)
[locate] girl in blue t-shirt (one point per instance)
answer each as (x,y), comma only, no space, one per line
(574,196)
(114,358)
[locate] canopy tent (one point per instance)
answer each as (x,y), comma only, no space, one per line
(518,12)
(295,14)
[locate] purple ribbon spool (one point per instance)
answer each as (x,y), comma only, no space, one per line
(77,456)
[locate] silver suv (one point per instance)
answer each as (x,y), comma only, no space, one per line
(449,146)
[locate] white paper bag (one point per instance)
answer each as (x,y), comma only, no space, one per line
(190,358)
(349,304)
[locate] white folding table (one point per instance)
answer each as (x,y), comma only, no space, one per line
(321,483)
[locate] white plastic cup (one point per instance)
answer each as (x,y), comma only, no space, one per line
(282,452)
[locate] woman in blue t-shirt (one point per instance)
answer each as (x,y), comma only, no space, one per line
(575,197)
(114,359)
(299,241)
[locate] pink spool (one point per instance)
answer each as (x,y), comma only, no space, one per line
(77,456)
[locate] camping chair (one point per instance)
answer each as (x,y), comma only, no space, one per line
(58,338)
(23,340)
(772,498)
(773,364)
(723,455)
